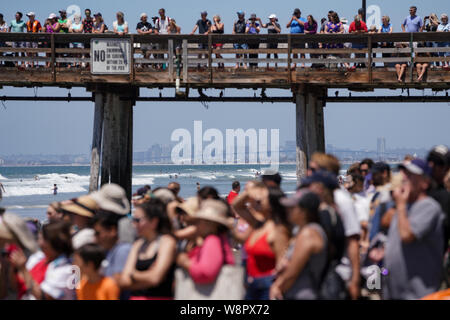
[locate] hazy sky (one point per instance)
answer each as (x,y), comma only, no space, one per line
(58,127)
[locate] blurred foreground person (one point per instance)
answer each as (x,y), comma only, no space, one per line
(149,270)
(57,281)
(414,249)
(93,285)
(307,256)
(269,237)
(15,240)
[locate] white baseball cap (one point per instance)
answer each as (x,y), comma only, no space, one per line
(31,14)
(143,14)
(273,16)
(52,16)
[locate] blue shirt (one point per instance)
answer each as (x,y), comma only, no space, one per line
(413,24)
(386,29)
(297,27)
(252,30)
(20,26)
(116,258)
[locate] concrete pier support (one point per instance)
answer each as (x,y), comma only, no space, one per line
(310,136)
(117,144)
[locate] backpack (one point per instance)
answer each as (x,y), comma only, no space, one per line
(331,286)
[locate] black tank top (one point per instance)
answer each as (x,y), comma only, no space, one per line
(164,289)
(218,31)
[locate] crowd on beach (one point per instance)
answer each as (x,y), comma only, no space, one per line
(163,24)
(374,233)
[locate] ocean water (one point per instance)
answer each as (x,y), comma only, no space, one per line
(29,190)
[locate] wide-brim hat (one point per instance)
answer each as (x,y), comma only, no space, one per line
(215,211)
(190,206)
(112,198)
(84,206)
(165,195)
(13,227)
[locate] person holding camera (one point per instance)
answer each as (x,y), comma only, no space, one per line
(273,27)
(297,25)
(253,28)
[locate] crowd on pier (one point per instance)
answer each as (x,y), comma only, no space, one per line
(297,24)
(376,232)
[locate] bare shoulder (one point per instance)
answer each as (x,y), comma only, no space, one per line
(168,241)
(311,236)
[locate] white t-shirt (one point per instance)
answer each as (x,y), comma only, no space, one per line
(162,25)
(57,282)
(34,259)
(4,27)
(362,206)
(346,208)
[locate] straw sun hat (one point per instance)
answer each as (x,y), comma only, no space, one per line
(190,207)
(215,211)
(112,198)
(14,228)
(83,206)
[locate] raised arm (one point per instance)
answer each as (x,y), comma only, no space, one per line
(240,205)
(195,29)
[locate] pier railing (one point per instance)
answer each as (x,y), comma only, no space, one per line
(215,59)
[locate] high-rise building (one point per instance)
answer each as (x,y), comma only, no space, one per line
(381,148)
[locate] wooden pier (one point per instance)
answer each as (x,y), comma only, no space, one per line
(320,65)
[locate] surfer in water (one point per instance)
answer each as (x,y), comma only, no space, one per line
(55,189)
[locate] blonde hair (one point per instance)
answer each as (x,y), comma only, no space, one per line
(327,162)
(217,17)
(386,18)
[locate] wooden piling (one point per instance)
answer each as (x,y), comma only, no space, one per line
(301,136)
(96,141)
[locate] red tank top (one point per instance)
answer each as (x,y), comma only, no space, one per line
(260,258)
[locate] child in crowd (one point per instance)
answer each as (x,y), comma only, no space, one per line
(93,285)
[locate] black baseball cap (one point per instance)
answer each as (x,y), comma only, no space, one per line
(439,155)
(380,167)
(327,178)
(304,199)
(98,14)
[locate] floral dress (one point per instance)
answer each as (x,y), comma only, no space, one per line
(334,28)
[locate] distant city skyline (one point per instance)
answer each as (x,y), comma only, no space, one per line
(66,128)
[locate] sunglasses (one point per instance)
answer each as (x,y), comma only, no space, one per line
(137,220)
(364,170)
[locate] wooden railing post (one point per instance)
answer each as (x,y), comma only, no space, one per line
(210,46)
(132,66)
(289,59)
(53,57)
(185,61)
(369,46)
(170,56)
(411,67)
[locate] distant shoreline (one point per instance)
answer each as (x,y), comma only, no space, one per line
(145,164)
